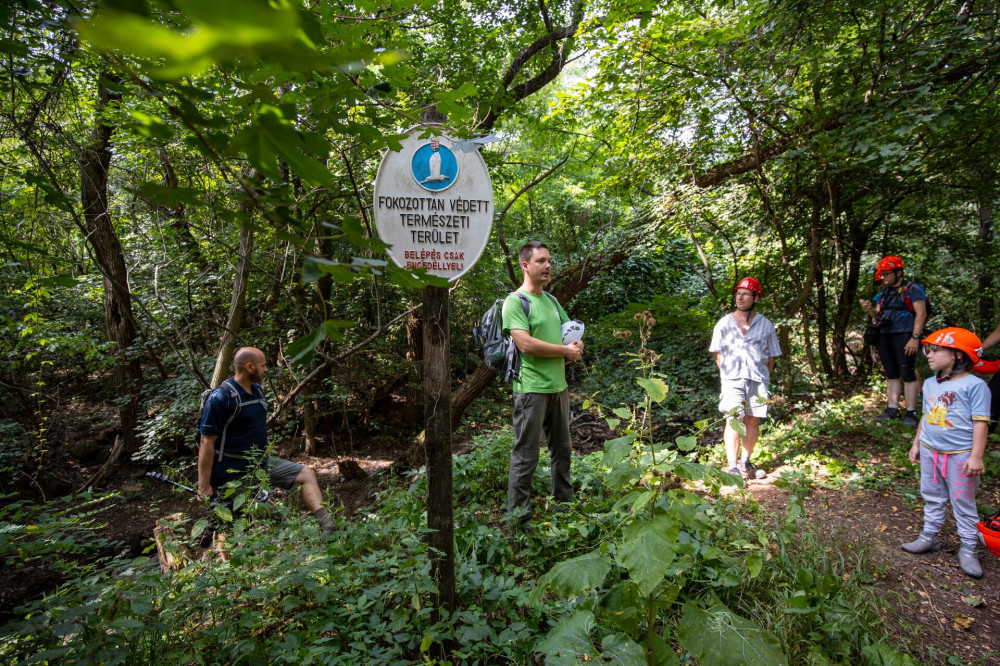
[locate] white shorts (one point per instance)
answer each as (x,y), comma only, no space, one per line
(746,395)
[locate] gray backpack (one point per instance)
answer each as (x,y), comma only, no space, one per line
(499,351)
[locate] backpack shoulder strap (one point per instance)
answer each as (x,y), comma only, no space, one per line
(525,303)
(235,396)
(558,307)
(907,295)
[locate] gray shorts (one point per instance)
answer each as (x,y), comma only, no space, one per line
(746,395)
(283,472)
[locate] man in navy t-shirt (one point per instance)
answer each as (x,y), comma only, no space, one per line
(234,441)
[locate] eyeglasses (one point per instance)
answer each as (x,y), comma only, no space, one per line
(929,349)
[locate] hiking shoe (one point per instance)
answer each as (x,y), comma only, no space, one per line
(925,543)
(889,414)
(968,561)
(735,471)
(751,471)
(910,419)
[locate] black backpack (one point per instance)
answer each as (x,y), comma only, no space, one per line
(905,292)
(499,351)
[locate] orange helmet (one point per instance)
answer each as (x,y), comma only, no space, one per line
(889,263)
(957,338)
(749,283)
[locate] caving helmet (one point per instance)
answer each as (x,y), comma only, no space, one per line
(749,283)
(572,331)
(958,340)
(989,532)
(889,263)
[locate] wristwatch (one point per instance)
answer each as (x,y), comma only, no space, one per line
(916,336)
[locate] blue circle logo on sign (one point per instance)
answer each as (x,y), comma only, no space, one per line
(434,166)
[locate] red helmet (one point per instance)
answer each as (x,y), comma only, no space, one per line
(986,367)
(749,283)
(889,263)
(878,276)
(990,531)
(957,338)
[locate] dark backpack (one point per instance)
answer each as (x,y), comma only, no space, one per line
(905,292)
(907,288)
(499,351)
(220,443)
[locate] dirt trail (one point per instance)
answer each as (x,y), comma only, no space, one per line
(925,598)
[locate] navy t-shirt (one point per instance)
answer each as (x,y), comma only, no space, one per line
(248,430)
(891,303)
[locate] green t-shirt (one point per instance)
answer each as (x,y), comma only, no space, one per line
(538,375)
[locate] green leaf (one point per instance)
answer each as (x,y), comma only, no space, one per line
(622,651)
(417,278)
(754,565)
(301,350)
(622,412)
(621,606)
(737,425)
(883,655)
(151,127)
(171,196)
(58,281)
(271,136)
(333,326)
(719,637)
(616,450)
(686,443)
(569,641)
(647,550)
(314,268)
(571,577)
(642,500)
(655,387)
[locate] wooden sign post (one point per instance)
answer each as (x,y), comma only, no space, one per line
(434,206)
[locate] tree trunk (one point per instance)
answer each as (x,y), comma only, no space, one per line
(821,324)
(848,298)
(227,346)
(178,215)
(309,424)
(807,342)
(120,323)
(985,277)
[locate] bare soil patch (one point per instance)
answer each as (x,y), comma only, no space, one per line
(926,599)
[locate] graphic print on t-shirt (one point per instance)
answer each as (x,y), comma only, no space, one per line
(938,414)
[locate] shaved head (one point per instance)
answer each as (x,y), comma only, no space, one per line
(246,355)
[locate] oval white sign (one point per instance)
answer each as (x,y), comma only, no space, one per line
(434,204)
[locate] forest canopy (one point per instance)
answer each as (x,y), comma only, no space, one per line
(181,178)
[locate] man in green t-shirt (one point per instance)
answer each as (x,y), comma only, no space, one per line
(541,397)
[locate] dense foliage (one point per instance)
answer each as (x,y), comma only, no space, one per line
(179,178)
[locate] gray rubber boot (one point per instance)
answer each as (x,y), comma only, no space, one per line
(968,561)
(925,543)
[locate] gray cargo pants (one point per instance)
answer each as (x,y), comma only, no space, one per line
(941,481)
(535,414)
